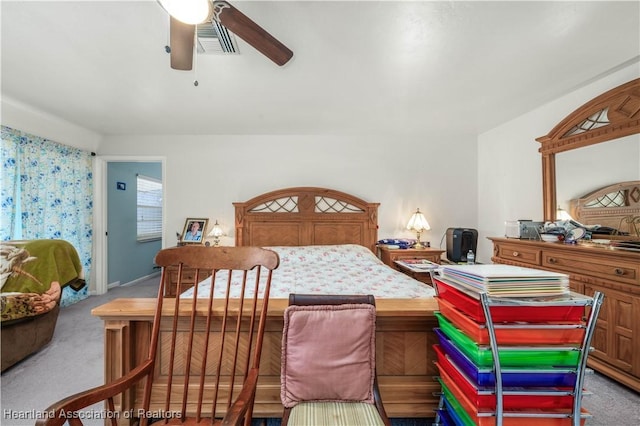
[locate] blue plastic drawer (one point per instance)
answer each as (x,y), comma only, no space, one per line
(483,377)
(445,418)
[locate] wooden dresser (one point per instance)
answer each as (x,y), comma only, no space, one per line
(615,273)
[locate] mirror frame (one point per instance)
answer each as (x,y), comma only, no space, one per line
(612,115)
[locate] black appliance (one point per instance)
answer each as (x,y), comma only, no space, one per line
(459,242)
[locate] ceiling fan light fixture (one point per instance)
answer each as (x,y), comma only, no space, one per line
(188,11)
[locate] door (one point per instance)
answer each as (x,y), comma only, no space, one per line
(122,257)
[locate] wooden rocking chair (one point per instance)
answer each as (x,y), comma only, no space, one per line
(204,355)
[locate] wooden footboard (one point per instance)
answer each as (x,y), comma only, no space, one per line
(404,354)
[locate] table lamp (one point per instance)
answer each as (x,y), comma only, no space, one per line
(215,233)
(418,223)
(561,214)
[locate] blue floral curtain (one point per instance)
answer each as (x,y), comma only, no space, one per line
(47,193)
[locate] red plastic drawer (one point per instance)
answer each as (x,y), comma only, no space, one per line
(532,334)
(536,314)
(486,400)
(484,417)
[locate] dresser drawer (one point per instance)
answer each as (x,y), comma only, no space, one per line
(605,268)
(188,278)
(529,255)
(433,257)
(389,256)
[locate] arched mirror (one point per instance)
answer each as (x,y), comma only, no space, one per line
(597,146)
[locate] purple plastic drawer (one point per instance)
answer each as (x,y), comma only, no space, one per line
(560,377)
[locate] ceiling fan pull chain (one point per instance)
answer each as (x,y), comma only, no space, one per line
(195,59)
(167,46)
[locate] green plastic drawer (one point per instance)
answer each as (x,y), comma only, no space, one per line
(510,356)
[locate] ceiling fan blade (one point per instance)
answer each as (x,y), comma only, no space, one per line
(252,33)
(181,38)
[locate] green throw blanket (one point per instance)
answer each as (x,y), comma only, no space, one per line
(31,266)
(27,269)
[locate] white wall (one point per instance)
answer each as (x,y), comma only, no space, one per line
(451,182)
(205,174)
(22,117)
(510,166)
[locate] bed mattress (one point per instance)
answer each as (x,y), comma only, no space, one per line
(327,269)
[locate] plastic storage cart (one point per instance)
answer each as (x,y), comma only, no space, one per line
(512,361)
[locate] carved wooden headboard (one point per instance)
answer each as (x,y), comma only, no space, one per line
(306,216)
(616,206)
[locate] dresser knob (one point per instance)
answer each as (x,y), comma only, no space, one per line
(553,260)
(619,271)
(516,254)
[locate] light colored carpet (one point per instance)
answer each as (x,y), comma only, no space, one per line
(72,362)
(74,359)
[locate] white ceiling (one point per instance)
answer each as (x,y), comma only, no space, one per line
(358,67)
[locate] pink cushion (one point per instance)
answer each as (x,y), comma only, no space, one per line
(328,353)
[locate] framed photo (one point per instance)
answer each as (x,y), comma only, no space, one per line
(194,231)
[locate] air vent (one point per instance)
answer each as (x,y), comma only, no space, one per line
(215,38)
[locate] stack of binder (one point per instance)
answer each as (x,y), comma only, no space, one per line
(512,346)
(508,281)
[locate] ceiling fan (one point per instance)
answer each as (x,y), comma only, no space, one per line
(185,15)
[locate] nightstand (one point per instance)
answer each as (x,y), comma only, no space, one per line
(188,277)
(389,256)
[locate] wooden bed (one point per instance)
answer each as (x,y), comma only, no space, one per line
(296,217)
(306,216)
(616,206)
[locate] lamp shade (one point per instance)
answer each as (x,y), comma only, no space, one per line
(216,231)
(418,222)
(562,214)
(187,11)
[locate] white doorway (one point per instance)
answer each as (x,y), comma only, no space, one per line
(101,219)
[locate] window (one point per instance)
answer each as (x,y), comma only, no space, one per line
(149,208)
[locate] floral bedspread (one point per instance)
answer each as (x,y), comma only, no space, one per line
(329,269)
